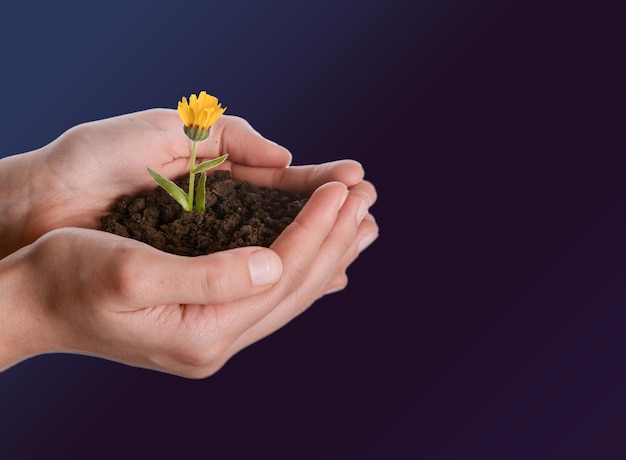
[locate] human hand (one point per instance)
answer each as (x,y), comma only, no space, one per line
(90,292)
(81,175)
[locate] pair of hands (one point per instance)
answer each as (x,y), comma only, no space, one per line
(72,288)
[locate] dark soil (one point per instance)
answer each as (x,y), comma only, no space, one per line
(238,213)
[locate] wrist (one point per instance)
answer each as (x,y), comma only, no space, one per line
(21,333)
(19,191)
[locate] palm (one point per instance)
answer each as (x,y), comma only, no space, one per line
(94,164)
(110,157)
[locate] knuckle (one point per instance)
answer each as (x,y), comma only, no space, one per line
(216,284)
(237,120)
(202,372)
(370,225)
(339,283)
(201,363)
(126,279)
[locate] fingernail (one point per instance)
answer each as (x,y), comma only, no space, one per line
(343,198)
(265,268)
(366,241)
(363,208)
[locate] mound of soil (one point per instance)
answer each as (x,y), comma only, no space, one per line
(238,213)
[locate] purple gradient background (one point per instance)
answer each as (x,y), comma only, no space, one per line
(488,320)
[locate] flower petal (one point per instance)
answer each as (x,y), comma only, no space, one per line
(201,111)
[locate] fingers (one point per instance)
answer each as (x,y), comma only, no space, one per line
(303,179)
(300,243)
(298,247)
(230,134)
(368,188)
(137,276)
(235,136)
(339,247)
(349,172)
(151,277)
(368,233)
(264,163)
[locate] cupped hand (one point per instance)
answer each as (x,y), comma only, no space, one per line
(81,175)
(90,292)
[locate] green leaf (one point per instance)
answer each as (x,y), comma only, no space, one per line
(200,203)
(170,187)
(210,164)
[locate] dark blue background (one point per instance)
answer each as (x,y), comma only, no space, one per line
(488,320)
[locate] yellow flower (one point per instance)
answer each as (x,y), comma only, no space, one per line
(199,114)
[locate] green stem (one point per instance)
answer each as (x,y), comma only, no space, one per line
(192,179)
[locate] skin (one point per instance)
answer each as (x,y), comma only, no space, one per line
(68,287)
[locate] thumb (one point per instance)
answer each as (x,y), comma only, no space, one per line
(212,279)
(245,145)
